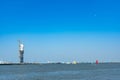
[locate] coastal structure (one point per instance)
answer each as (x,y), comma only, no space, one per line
(96,61)
(21,52)
(4,62)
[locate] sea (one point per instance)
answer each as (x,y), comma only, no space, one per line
(82,71)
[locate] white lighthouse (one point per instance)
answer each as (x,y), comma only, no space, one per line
(21,52)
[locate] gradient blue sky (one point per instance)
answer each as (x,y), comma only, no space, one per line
(60,30)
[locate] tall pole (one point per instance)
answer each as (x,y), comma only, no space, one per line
(21,52)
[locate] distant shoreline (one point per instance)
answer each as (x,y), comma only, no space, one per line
(56,63)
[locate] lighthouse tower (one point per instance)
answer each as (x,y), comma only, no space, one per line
(21,52)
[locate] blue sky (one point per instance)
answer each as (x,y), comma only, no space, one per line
(60,30)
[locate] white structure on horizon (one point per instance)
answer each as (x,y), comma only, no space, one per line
(4,62)
(21,52)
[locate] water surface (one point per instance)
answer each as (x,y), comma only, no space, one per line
(60,72)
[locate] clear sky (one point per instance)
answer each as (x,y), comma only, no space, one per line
(60,30)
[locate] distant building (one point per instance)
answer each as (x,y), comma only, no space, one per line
(21,52)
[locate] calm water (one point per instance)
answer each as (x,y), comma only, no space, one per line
(60,72)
